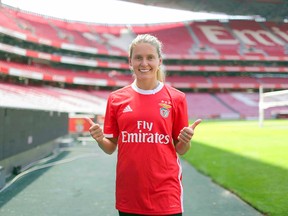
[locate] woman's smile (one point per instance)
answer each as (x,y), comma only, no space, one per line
(144,70)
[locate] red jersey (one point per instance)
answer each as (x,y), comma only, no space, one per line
(148,173)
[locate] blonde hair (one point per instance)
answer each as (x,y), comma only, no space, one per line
(152,40)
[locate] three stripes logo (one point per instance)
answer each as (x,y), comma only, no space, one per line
(127,109)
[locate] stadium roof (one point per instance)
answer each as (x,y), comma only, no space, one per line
(122,12)
(274,10)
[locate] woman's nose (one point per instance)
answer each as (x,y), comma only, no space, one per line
(144,62)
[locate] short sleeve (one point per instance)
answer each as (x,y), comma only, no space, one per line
(111,129)
(180,119)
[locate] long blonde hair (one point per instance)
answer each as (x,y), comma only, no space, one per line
(147,38)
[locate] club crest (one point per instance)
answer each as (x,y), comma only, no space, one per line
(164,109)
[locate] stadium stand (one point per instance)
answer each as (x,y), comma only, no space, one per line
(243,103)
(214,37)
(212,61)
(257,38)
(170,35)
(50,99)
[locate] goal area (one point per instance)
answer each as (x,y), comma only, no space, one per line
(271,99)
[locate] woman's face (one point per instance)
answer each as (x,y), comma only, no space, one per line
(145,61)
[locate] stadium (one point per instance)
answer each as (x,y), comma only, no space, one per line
(55,72)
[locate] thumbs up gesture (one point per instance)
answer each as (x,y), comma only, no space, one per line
(95,131)
(185,137)
(187,133)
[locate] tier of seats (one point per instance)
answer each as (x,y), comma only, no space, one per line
(114,78)
(200,105)
(50,99)
(172,37)
(236,37)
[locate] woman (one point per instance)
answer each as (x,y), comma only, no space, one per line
(148,122)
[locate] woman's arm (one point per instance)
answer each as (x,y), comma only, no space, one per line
(108,145)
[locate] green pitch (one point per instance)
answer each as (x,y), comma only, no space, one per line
(250,161)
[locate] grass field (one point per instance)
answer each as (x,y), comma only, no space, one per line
(250,161)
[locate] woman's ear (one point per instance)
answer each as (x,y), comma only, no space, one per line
(130,64)
(129,61)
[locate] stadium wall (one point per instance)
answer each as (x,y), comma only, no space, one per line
(28,135)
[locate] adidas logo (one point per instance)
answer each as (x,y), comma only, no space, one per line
(127,109)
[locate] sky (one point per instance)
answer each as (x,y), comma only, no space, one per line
(108,11)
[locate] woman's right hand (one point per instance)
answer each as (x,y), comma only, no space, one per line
(95,131)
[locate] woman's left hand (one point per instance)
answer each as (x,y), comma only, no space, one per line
(187,133)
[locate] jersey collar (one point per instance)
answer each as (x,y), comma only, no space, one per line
(147,92)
